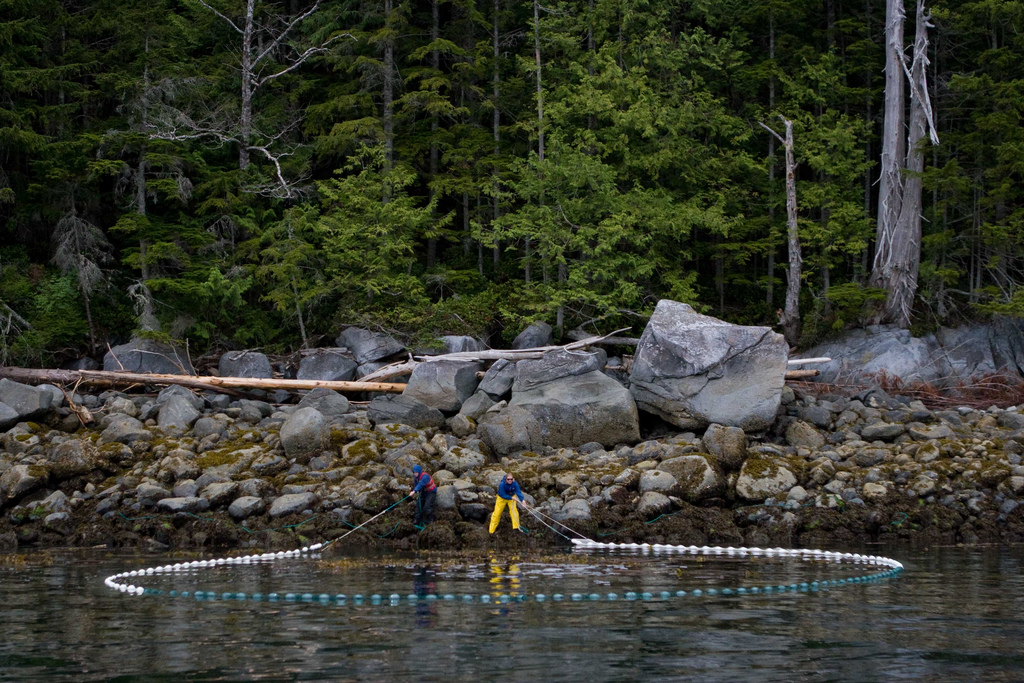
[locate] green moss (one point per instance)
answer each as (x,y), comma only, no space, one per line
(227,454)
(38,471)
(22,437)
(34,426)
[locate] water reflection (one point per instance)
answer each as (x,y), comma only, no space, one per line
(954,615)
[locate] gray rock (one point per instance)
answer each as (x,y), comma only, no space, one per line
(1008,420)
(304,434)
(255,488)
(19,480)
(73,458)
(55,502)
(205,426)
(652,504)
(693,370)
(474,511)
(269,465)
(245,364)
(292,503)
(27,401)
(554,365)
(443,384)
(817,415)
(370,368)
(246,507)
(800,434)
(656,480)
(126,430)
(727,445)
(476,405)
(459,460)
(763,478)
(219,494)
(191,504)
(148,356)
(498,379)
(536,335)
(575,410)
(512,430)
(698,478)
(460,344)
(263,408)
(574,511)
(405,410)
(881,431)
(185,489)
(182,469)
(176,391)
(177,415)
(83,363)
(927,433)
(368,346)
(8,417)
(866,457)
(57,399)
(120,404)
(445,497)
(328,402)
(327,365)
(150,494)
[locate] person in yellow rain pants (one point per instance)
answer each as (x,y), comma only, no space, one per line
(508,491)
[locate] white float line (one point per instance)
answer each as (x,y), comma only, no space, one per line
(806,553)
(120,582)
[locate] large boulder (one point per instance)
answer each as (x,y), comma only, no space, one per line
(124,429)
(175,390)
(405,410)
(511,430)
(368,346)
(948,357)
(460,344)
(292,503)
(575,410)
(8,417)
(764,477)
(698,478)
(328,402)
(553,365)
(443,384)
(692,370)
(27,401)
(536,335)
(304,434)
(148,356)
(19,480)
(73,458)
(498,379)
(177,415)
(727,445)
(327,365)
(245,364)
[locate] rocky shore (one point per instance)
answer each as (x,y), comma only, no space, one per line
(179,470)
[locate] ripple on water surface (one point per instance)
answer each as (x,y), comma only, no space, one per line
(600,616)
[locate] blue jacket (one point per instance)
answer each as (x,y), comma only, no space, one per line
(506,490)
(424,483)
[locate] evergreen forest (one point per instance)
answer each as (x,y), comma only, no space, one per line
(255,173)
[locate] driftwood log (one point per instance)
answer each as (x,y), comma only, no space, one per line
(224,384)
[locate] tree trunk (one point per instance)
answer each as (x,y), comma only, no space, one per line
(900,273)
(245,116)
(770,293)
(435,63)
(496,122)
(890,186)
(389,89)
(791,314)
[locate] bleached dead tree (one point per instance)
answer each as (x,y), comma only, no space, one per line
(898,242)
(80,249)
(790,319)
(266,52)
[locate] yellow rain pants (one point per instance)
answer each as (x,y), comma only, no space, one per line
(499,507)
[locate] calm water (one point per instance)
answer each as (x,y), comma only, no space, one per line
(955,614)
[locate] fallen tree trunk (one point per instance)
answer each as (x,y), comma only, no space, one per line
(223,384)
(605,341)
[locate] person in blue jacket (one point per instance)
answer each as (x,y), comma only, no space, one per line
(508,492)
(426,490)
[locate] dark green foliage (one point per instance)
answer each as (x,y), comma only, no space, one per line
(120,158)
